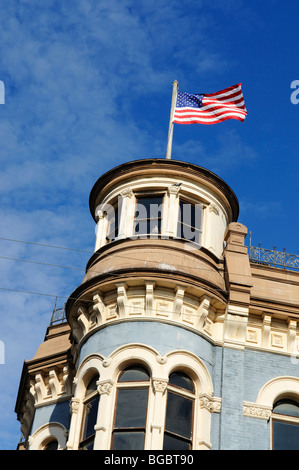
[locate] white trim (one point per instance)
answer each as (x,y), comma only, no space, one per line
(44,434)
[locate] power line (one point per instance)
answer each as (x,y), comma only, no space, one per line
(41,263)
(45,245)
(21,291)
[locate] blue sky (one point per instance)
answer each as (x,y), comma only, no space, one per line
(88,87)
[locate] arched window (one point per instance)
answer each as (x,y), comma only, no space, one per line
(131,409)
(51,445)
(179,412)
(285,425)
(91,403)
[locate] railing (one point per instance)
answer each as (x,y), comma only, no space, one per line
(58,315)
(278,259)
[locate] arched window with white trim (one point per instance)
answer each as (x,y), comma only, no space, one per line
(131,408)
(51,444)
(285,424)
(179,412)
(91,403)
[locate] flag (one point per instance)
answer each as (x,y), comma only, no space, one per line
(210,108)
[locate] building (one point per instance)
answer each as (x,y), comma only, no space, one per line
(176,338)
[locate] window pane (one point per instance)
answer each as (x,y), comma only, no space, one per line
(148,215)
(52,445)
(285,436)
(189,221)
(132,440)
(181,380)
(91,417)
(173,443)
(92,385)
(149,207)
(134,374)
(87,444)
(113,223)
(286,407)
(179,414)
(131,408)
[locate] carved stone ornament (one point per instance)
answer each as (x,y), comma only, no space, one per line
(210,403)
(174,189)
(74,405)
(106,362)
(127,192)
(256,411)
(159,385)
(105,387)
(161,359)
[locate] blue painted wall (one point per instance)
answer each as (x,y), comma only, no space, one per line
(237,376)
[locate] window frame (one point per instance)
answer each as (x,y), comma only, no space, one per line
(86,401)
(182,392)
(180,223)
(113,209)
(283,418)
(130,385)
(149,194)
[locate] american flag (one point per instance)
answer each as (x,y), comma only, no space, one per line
(210,108)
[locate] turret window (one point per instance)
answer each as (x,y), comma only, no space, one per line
(131,409)
(190,221)
(113,214)
(148,215)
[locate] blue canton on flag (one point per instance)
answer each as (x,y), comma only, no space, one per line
(188,100)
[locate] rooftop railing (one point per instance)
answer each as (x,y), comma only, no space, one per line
(58,315)
(277,259)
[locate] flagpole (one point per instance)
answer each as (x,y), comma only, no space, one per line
(175,87)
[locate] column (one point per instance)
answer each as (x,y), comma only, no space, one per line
(103,427)
(157,424)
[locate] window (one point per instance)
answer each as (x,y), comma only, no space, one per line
(91,403)
(285,425)
(131,409)
(113,214)
(179,412)
(148,215)
(190,221)
(51,445)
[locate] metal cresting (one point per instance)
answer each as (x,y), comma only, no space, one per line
(2,93)
(278,259)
